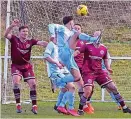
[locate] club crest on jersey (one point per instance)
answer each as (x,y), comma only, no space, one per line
(89,81)
(81,42)
(27,45)
(102,52)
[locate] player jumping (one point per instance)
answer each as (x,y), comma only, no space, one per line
(66,41)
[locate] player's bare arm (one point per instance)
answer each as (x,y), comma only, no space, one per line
(51,60)
(73,40)
(7,34)
(106,61)
(42,43)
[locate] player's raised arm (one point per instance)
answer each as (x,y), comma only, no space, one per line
(7,34)
(89,38)
(52,30)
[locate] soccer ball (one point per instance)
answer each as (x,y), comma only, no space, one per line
(82,10)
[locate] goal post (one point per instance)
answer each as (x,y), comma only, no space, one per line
(6,53)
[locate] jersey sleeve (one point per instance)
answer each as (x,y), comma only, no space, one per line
(88,38)
(106,56)
(34,41)
(52,28)
(12,38)
(48,50)
(82,49)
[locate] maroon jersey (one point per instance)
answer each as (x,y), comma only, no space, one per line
(21,51)
(80,57)
(93,57)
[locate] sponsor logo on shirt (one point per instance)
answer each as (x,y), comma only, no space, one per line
(94,57)
(23,51)
(81,42)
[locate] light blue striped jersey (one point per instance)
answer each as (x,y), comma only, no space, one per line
(51,51)
(63,34)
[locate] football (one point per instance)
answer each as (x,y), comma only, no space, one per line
(82,10)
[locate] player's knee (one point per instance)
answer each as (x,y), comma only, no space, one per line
(112,88)
(64,90)
(72,89)
(16,86)
(33,87)
(87,90)
(77,79)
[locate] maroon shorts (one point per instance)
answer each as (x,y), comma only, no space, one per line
(101,78)
(25,71)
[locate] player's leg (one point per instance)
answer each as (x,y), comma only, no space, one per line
(88,103)
(30,79)
(112,87)
(105,81)
(63,81)
(113,98)
(60,96)
(71,98)
(16,77)
(78,80)
(88,83)
(74,69)
(33,94)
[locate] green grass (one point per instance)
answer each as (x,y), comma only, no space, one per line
(45,110)
(117,45)
(2,46)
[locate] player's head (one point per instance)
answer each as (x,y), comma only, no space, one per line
(77,27)
(97,34)
(68,21)
(23,31)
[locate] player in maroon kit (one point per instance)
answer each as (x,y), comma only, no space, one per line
(92,71)
(21,66)
(88,108)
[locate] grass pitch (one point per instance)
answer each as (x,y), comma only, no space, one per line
(45,110)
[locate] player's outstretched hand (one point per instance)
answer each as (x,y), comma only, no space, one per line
(53,39)
(97,33)
(59,65)
(110,71)
(15,22)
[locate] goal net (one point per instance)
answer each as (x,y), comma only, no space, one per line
(112,17)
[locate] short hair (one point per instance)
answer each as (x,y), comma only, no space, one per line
(78,25)
(67,19)
(23,27)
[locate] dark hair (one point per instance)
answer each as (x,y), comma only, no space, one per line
(78,25)
(23,27)
(67,19)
